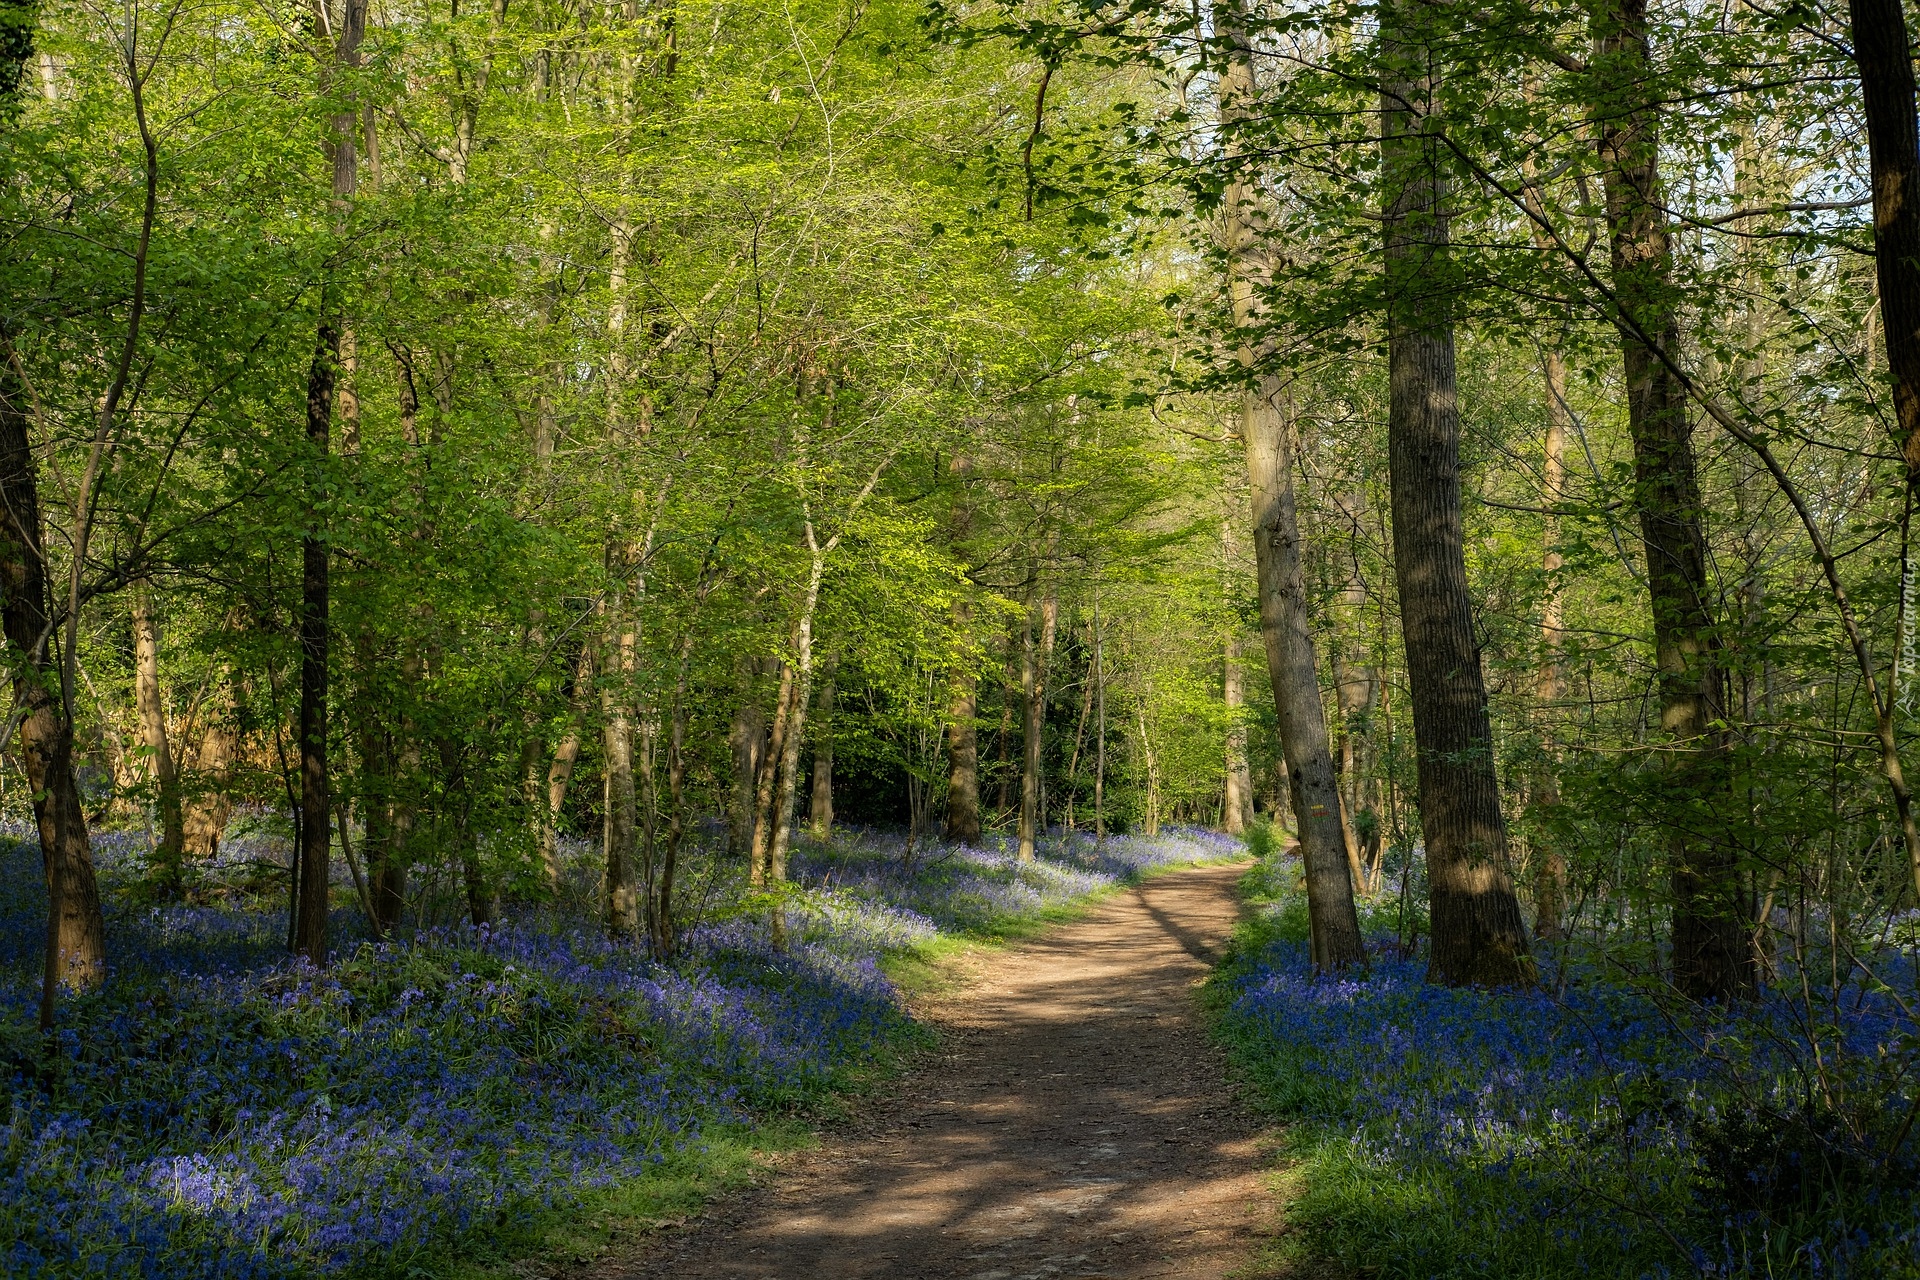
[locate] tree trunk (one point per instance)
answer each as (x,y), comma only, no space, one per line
(623,905)
(205,813)
(1356,686)
(1292,662)
(820,807)
(1478,936)
(171,849)
(790,746)
(963,740)
(1100,723)
(1236,809)
(1883,54)
(1549,864)
(747,740)
(566,754)
(316,804)
(1711,956)
(1033,690)
(76,941)
(316,808)
(766,779)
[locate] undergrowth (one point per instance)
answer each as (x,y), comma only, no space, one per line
(1591,1126)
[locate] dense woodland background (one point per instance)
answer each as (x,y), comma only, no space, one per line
(1477,438)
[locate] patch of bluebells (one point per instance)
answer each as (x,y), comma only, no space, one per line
(968,888)
(221,1110)
(1587,1126)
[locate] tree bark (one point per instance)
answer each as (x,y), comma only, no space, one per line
(76,942)
(820,804)
(963,739)
(1033,691)
(170,851)
(1882,52)
(1549,863)
(621,822)
(1711,956)
(316,808)
(747,740)
(766,779)
(566,754)
(205,813)
(1356,687)
(1292,659)
(1477,933)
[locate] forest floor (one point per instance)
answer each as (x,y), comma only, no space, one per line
(1075,1122)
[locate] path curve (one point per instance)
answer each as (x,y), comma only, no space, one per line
(1077,1123)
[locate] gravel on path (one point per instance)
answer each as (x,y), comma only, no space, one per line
(1077,1123)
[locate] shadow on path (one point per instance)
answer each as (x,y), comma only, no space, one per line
(1077,1124)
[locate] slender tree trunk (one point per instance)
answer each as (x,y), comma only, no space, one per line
(566,754)
(820,808)
(151,709)
(623,905)
(205,813)
(795,730)
(316,803)
(1237,809)
(1292,662)
(1009,681)
(1100,728)
(666,938)
(76,944)
(1711,955)
(1356,686)
(1478,935)
(1549,863)
(766,778)
(316,809)
(963,740)
(748,742)
(1033,689)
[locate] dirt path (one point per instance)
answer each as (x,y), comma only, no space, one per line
(1077,1124)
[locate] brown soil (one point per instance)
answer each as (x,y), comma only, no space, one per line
(1077,1123)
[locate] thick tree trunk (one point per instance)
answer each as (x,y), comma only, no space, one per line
(1711,956)
(170,850)
(820,805)
(1549,864)
(76,942)
(1883,53)
(1292,660)
(1478,936)
(1033,692)
(963,741)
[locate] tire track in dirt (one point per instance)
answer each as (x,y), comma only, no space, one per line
(1077,1123)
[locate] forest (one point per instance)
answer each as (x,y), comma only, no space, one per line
(594,591)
